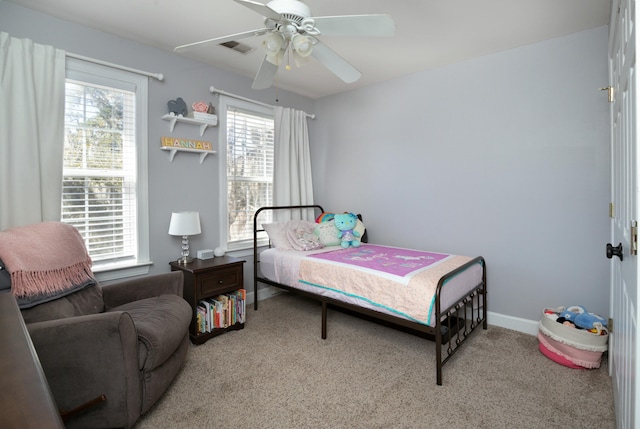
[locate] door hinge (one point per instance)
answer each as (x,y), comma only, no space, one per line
(610,324)
(612,210)
(634,237)
(609,90)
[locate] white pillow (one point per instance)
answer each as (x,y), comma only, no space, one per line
(327,233)
(277,235)
(301,235)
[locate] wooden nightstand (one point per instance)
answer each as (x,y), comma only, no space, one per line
(208,278)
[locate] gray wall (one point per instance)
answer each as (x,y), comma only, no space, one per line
(504,156)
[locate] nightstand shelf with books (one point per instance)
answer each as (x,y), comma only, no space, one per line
(215,290)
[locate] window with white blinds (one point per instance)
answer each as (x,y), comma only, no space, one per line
(102,183)
(249,173)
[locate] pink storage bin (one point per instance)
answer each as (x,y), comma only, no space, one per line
(569,346)
(567,355)
(556,357)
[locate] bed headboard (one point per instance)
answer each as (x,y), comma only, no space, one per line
(300,209)
(275,209)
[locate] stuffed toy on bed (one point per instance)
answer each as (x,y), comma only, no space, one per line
(346,223)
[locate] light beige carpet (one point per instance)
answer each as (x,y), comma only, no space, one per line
(279,373)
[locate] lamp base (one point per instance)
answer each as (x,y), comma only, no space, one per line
(184,260)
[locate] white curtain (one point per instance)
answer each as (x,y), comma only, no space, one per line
(292,181)
(32,79)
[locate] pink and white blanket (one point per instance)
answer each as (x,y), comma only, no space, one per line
(402,281)
(45,260)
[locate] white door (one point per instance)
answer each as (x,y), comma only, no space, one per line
(623,346)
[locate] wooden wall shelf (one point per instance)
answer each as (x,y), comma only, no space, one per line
(173,150)
(173,119)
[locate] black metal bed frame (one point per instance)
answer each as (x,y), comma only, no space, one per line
(453,324)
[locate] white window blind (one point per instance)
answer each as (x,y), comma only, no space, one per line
(250,163)
(102,186)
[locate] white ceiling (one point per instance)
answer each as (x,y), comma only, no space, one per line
(429,33)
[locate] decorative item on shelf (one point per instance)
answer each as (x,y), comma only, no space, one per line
(179,143)
(178,107)
(185,224)
(175,144)
(219,252)
(200,106)
(202,113)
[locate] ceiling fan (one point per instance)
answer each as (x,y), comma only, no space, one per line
(293,32)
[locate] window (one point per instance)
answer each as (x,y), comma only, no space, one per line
(247,183)
(104,172)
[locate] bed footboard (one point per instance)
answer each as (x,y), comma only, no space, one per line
(461,318)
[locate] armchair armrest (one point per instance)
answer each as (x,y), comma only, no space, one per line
(142,287)
(102,349)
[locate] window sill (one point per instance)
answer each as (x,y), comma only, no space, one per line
(240,253)
(108,272)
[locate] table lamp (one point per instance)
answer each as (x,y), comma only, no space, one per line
(184,224)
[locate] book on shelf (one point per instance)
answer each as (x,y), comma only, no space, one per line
(199,321)
(239,308)
(221,311)
(224,299)
(215,312)
(202,323)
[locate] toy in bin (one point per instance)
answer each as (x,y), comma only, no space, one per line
(573,337)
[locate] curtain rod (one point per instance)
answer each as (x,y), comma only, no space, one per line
(214,90)
(158,76)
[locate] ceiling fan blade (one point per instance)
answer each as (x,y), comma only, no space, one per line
(265,76)
(380,25)
(262,9)
(335,63)
(218,40)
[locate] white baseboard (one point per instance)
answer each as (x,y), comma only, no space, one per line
(514,323)
(496,319)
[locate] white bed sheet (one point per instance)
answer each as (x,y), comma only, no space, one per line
(283,266)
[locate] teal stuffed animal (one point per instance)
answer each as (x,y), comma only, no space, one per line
(346,223)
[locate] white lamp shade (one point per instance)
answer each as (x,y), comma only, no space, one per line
(184,223)
(302,45)
(273,43)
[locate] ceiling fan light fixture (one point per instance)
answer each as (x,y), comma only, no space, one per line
(273,44)
(302,45)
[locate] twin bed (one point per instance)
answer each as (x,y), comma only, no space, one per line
(437,296)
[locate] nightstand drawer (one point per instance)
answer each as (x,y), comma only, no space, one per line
(220,281)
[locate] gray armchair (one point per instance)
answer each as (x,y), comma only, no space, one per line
(110,352)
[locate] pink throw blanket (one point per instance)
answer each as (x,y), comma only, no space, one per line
(45,258)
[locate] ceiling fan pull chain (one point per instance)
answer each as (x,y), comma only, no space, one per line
(288,65)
